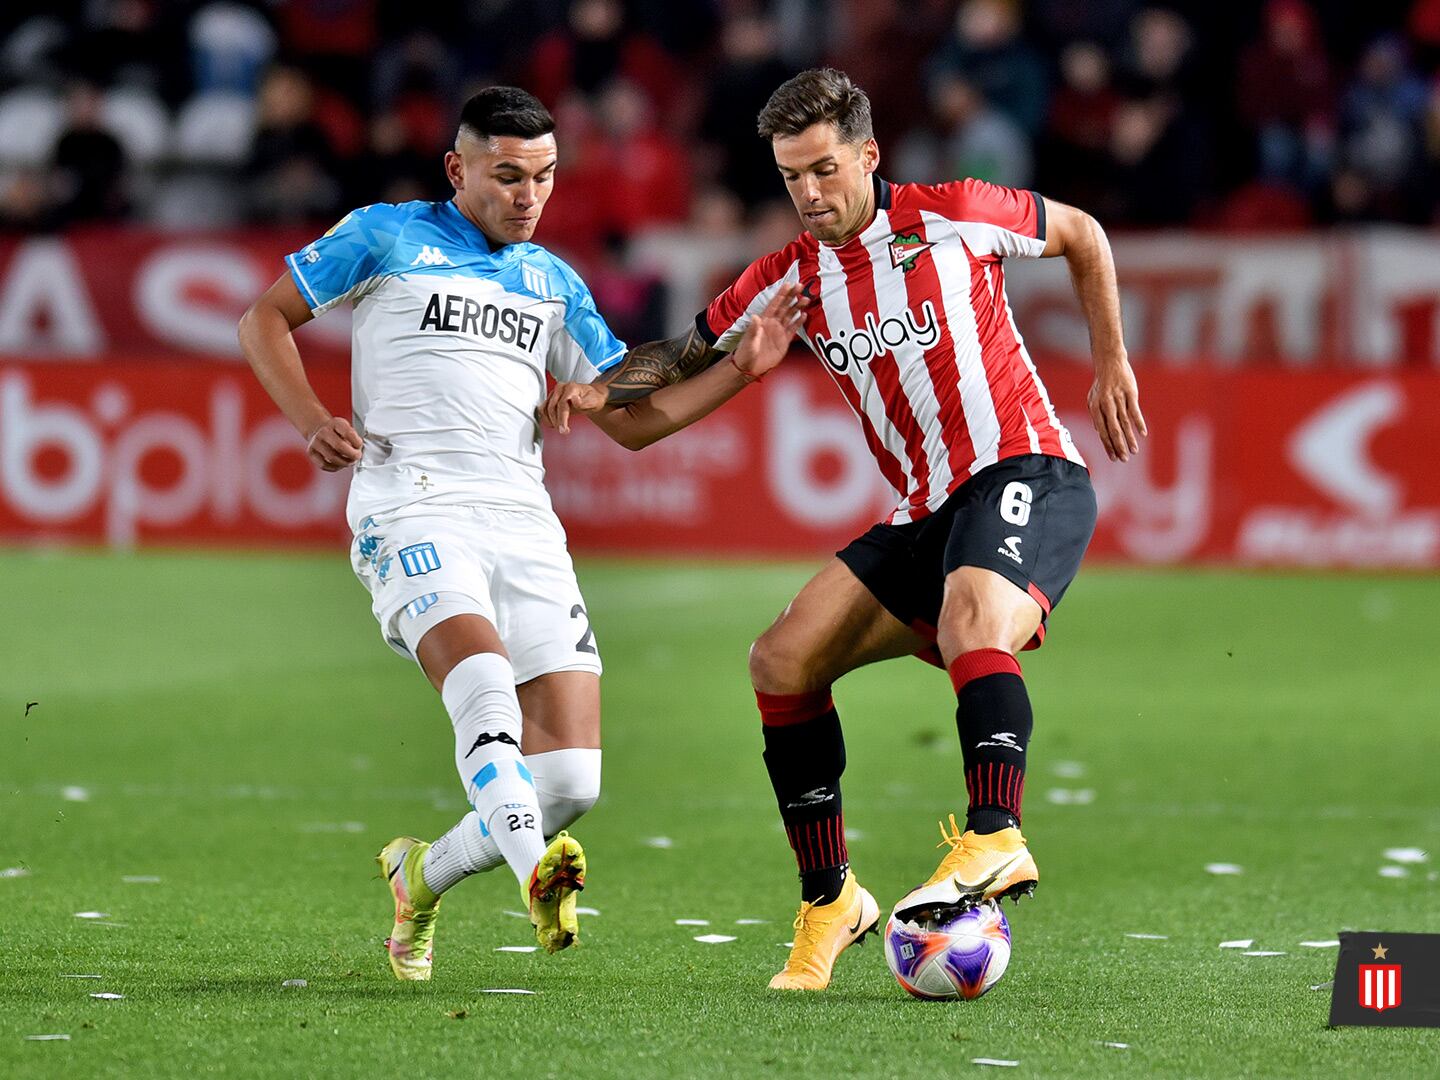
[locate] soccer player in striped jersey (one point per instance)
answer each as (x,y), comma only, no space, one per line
(906,309)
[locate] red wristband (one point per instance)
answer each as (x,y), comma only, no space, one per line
(743,373)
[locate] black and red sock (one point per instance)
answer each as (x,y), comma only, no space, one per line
(992,712)
(805,755)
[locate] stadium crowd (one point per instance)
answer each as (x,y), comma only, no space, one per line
(195,113)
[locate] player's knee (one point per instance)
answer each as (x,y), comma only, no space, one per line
(776,668)
(567,784)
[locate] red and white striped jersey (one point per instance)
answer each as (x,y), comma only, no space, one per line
(911,320)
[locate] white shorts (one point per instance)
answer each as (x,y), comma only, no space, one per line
(510,566)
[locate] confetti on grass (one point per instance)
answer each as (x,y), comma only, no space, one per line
(295,982)
(517,914)
(47,1038)
(81,976)
(1406,855)
(516,948)
(692,922)
(1324,986)
(108,996)
(1321,944)
(140,879)
(1116,1046)
(74,794)
(1262,952)
(1394,872)
(661,842)
(1071,796)
(751,922)
(1150,937)
(92,914)
(1068,770)
(1242,943)
(507,990)
(994,1061)
(1223,868)
(587,911)
(715,939)
(15,871)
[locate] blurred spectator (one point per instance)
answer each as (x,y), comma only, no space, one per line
(1284,96)
(89,163)
(24,200)
(970,137)
(393,169)
(594,48)
(1159,164)
(335,39)
(884,45)
(987,50)
(649,174)
(127,42)
(1074,156)
(291,164)
(230,46)
(1381,131)
(750,69)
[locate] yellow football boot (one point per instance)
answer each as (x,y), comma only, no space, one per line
(975,869)
(411,943)
(557,877)
(823,932)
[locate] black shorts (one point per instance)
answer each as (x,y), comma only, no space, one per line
(1028,518)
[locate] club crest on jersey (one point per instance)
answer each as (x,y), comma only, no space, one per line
(418,559)
(905,248)
(878,337)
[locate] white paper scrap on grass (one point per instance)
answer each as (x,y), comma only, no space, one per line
(92,914)
(508,990)
(851,835)
(587,911)
(1394,872)
(74,793)
(1324,986)
(17,871)
(1242,943)
(994,1061)
(1068,770)
(751,922)
(1116,1046)
(1150,937)
(715,939)
(1224,868)
(295,982)
(1406,854)
(81,976)
(1071,796)
(692,922)
(1321,944)
(47,1038)
(140,879)
(786,944)
(108,996)
(661,842)
(516,948)
(1262,952)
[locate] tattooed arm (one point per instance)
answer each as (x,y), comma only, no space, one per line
(663,386)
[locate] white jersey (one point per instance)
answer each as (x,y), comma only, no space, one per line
(452,339)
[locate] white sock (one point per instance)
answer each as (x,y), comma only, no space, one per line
(462,851)
(567,782)
(479,695)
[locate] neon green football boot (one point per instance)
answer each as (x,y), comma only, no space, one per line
(411,943)
(557,877)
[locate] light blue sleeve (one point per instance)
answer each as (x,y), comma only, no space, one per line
(345,262)
(585,348)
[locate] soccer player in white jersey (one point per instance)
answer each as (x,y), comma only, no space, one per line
(908,314)
(458,318)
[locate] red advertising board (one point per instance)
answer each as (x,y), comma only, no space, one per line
(1248,467)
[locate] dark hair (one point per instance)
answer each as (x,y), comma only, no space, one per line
(817,96)
(505,110)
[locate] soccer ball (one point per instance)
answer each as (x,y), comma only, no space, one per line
(957,956)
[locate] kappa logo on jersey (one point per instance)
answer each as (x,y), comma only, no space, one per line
(905,248)
(1011,550)
(876,338)
(431,256)
(462,315)
(418,559)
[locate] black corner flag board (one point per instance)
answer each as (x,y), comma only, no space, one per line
(1387,980)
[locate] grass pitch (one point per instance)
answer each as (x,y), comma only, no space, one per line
(233,726)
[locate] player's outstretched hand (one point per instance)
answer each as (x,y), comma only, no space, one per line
(1115,410)
(767,338)
(568,397)
(334,445)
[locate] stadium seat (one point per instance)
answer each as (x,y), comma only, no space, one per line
(229,47)
(30,122)
(190,201)
(215,129)
(140,121)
